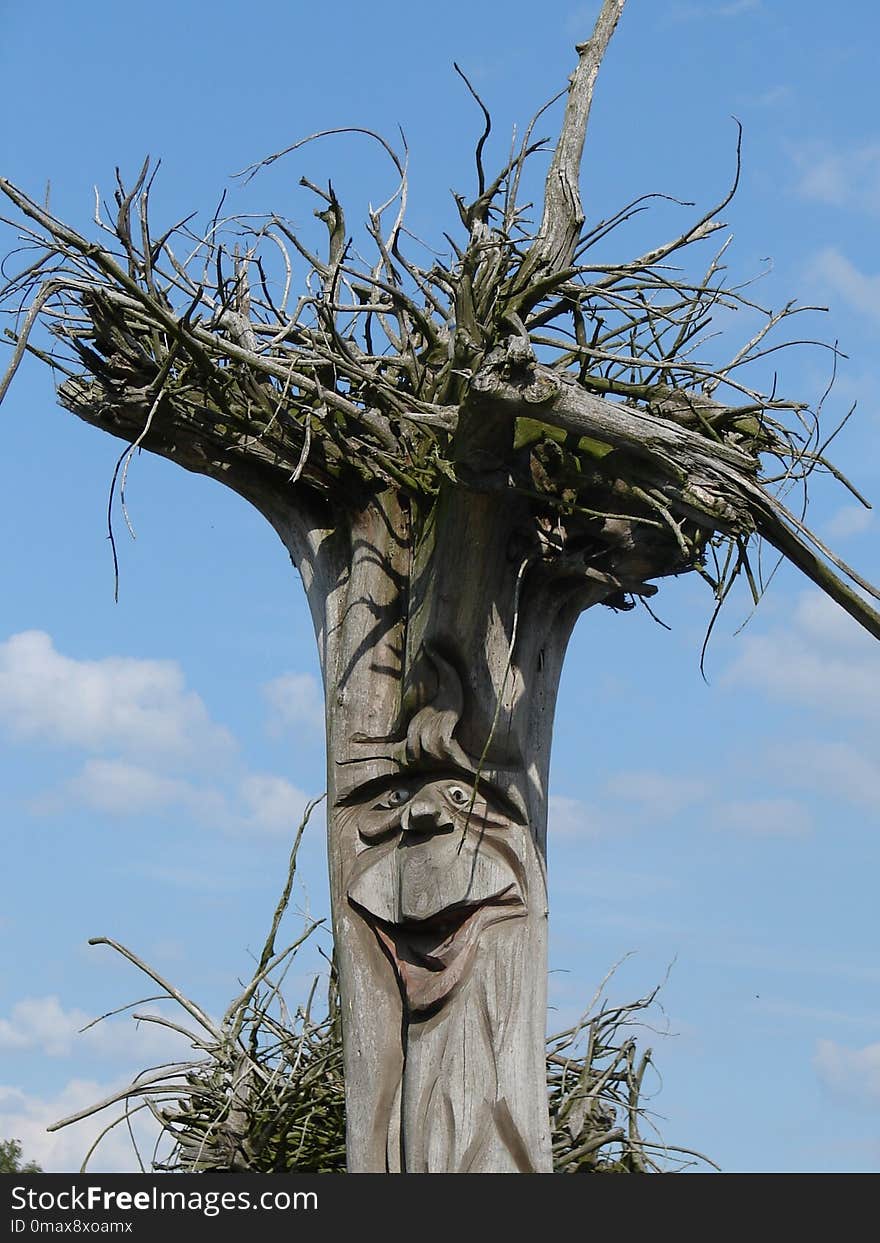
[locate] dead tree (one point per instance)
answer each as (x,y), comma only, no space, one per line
(460,458)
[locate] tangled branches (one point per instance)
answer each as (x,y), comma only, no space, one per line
(265,1093)
(595,1076)
(588,386)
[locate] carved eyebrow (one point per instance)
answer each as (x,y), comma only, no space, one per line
(410,777)
(488,792)
(373,788)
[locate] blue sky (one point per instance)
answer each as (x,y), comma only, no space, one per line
(156,752)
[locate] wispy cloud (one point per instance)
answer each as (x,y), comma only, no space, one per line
(851,1075)
(569,819)
(763,817)
(151,743)
(818,617)
(772,97)
(660,794)
(295,702)
(841,176)
(269,804)
(616,886)
(251,803)
(820,657)
(849,520)
(832,271)
(648,797)
(730,8)
(25,1116)
(801,1013)
(121,788)
(43,1024)
(837,769)
(580,21)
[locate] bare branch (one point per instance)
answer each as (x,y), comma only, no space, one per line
(369,379)
(715,484)
(557,238)
(481,175)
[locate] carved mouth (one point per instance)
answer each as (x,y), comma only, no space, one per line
(432,956)
(431,940)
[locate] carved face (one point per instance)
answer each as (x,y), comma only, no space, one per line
(439,862)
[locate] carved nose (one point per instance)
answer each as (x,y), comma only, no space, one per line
(422,818)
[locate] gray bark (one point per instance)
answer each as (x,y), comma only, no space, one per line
(441,641)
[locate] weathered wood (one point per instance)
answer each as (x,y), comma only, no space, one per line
(556,399)
(563,216)
(707,481)
(452,504)
(441,654)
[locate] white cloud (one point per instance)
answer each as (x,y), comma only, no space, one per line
(618,887)
(569,819)
(296,701)
(822,620)
(140,725)
(849,520)
(117,704)
(732,8)
(821,658)
(253,802)
(270,804)
(43,1024)
(658,793)
(842,176)
(120,788)
(772,97)
(764,817)
(855,288)
(26,1117)
(836,769)
(793,669)
(784,1008)
(852,1075)
(580,21)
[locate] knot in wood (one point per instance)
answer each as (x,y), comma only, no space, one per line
(709,498)
(520,353)
(540,388)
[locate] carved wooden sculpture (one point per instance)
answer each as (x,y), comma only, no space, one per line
(460,459)
(442,657)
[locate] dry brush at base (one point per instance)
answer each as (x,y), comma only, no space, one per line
(265,1091)
(461,456)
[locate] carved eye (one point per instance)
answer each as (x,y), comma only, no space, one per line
(459,795)
(394,799)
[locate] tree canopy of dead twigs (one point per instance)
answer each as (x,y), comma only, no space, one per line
(311,380)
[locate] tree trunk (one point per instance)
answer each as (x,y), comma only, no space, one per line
(441,639)
(442,621)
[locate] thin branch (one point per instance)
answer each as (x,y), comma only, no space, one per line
(481,175)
